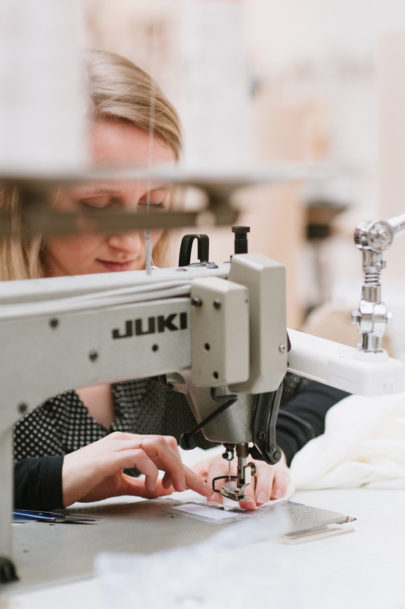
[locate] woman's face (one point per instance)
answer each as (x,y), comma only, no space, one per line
(113,144)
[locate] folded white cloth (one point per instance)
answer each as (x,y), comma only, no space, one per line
(363,445)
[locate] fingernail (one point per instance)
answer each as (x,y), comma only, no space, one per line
(277,493)
(261,498)
(248,503)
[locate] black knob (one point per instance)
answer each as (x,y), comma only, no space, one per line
(241,244)
(187,441)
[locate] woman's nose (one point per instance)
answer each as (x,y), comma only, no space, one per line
(129,242)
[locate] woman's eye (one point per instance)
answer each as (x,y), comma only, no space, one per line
(96,202)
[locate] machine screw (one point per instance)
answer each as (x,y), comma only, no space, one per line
(196,302)
(282,348)
(54,323)
(155,347)
(22,408)
(217,304)
(93,355)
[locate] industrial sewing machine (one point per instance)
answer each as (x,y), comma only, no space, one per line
(217,332)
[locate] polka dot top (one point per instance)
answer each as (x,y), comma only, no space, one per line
(63,423)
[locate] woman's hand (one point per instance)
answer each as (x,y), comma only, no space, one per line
(95,471)
(270,481)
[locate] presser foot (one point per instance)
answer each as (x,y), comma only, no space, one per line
(230,488)
(234,487)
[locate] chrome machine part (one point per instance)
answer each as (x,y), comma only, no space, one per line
(372,316)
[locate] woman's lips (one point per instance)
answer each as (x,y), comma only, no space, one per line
(117,266)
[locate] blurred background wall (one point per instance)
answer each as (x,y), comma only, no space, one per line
(325,84)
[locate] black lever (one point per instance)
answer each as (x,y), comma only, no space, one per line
(264,427)
(186,247)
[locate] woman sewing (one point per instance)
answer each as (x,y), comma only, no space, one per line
(82,445)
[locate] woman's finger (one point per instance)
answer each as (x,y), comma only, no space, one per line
(162,450)
(139,459)
(167,481)
(136,486)
(164,453)
(197,483)
(264,483)
(249,501)
(281,480)
(201,469)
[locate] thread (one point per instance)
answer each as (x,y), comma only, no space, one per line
(147,232)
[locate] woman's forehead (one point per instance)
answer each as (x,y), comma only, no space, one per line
(114,142)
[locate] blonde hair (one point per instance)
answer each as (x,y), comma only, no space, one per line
(118,90)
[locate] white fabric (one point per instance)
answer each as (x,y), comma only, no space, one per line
(363,445)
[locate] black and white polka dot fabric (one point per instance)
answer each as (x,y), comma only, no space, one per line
(63,423)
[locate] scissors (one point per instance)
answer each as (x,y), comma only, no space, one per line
(57,517)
